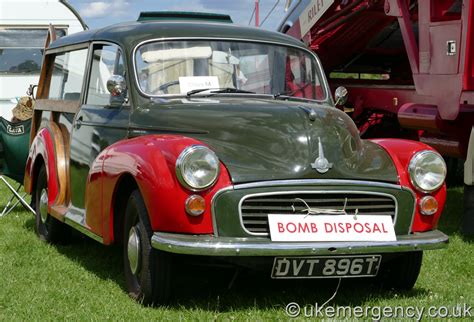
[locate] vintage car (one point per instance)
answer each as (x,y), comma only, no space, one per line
(185,134)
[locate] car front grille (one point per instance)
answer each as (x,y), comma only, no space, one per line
(254,209)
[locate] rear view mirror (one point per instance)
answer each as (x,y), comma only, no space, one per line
(221,57)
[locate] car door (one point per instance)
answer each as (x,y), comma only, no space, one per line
(100,122)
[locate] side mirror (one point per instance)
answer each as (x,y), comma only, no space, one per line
(341,95)
(117,87)
(31,91)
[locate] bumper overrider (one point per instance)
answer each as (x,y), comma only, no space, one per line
(230,246)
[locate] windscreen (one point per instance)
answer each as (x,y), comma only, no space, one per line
(177,67)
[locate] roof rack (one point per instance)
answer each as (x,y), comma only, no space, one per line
(183,15)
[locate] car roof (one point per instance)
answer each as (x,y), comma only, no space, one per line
(130,34)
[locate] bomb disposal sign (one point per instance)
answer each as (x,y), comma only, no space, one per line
(288,228)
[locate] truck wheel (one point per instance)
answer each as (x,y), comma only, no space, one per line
(48,228)
(402,272)
(468,218)
(147,270)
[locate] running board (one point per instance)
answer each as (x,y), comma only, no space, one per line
(77,222)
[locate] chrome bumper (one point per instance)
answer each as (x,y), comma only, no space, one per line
(226,246)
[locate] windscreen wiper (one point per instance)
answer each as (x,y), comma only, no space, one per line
(290,93)
(218,91)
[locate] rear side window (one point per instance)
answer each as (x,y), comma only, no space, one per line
(68,75)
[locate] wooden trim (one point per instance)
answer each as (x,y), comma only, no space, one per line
(62,106)
(46,66)
(67,151)
(61,162)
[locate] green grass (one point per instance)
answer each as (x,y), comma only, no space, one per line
(84,281)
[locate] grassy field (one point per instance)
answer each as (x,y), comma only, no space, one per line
(84,281)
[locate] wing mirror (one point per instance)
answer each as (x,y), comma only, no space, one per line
(117,87)
(341,95)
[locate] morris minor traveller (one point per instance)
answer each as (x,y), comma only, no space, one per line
(182,133)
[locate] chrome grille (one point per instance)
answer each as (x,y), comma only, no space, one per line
(254,209)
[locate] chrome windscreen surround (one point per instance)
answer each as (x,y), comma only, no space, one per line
(254,208)
(328,97)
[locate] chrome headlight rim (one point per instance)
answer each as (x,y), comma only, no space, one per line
(412,167)
(180,162)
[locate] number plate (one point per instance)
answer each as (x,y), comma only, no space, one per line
(326,266)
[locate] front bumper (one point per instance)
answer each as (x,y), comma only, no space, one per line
(206,245)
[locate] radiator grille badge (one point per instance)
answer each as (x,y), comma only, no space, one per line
(321,164)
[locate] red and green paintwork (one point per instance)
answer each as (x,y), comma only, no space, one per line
(257,139)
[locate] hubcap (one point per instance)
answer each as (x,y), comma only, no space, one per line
(133,250)
(43,206)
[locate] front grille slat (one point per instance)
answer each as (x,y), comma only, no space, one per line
(254,210)
(263,207)
(292,200)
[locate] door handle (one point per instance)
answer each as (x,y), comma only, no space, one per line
(78,122)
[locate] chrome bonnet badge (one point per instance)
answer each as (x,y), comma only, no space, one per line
(321,164)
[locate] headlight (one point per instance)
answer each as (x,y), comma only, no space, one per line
(427,171)
(197,167)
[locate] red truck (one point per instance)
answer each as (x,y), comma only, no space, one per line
(408,66)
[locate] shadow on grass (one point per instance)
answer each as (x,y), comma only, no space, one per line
(104,261)
(207,289)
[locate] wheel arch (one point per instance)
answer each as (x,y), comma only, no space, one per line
(146,163)
(126,184)
(42,150)
(401,151)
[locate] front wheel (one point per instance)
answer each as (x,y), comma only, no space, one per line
(402,272)
(147,271)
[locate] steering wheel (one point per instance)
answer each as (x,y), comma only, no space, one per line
(164,88)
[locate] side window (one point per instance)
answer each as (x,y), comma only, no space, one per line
(68,75)
(107,60)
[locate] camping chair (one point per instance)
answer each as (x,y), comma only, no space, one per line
(14,146)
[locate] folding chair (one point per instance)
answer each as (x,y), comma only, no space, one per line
(14,146)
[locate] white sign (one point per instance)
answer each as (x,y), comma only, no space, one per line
(312,14)
(189,83)
(295,228)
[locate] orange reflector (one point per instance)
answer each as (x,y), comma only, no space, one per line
(195,205)
(428,205)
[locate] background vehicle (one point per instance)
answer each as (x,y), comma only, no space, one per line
(23,30)
(408,66)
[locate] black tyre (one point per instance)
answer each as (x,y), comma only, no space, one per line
(402,272)
(468,217)
(48,228)
(147,271)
